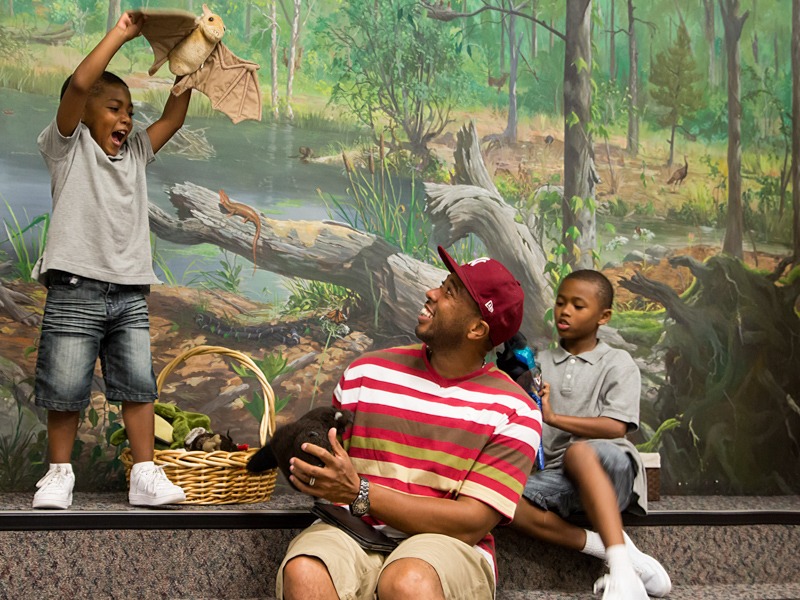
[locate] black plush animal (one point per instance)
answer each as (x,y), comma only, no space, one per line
(312,427)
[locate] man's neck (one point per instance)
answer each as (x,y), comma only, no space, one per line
(454,363)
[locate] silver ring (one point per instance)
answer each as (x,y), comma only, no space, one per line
(311,482)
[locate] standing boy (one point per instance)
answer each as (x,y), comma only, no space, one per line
(593,401)
(97,268)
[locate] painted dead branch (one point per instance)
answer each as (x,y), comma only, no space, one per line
(389,282)
(473,205)
(10,301)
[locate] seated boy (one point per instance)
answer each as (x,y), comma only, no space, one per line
(589,402)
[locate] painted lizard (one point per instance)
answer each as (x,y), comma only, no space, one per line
(247,213)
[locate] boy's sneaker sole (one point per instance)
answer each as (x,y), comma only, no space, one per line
(52,503)
(145,500)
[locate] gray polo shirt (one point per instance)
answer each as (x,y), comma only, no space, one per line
(604,382)
(100,226)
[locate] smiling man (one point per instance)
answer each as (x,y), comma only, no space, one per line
(440,448)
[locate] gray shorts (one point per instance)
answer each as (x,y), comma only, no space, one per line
(552,490)
(85,319)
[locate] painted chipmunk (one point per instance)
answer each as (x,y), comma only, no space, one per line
(247,213)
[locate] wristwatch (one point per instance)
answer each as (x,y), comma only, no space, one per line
(360,506)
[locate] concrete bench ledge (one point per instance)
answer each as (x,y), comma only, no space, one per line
(290,511)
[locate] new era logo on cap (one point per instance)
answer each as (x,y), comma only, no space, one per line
(498,294)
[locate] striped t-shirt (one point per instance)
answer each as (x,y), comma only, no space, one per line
(419,433)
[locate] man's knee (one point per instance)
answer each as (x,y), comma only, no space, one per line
(303,573)
(409,578)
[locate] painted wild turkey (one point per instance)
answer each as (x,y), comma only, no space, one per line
(680,174)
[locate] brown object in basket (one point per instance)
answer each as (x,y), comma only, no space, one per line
(217,477)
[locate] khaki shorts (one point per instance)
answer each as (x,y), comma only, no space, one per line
(463,572)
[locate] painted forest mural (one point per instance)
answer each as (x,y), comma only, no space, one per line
(656,141)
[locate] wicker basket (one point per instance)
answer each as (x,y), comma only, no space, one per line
(217,477)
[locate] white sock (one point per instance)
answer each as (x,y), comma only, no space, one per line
(142,466)
(594,545)
(64,467)
(617,558)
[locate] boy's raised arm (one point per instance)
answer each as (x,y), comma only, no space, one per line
(72,105)
(171,120)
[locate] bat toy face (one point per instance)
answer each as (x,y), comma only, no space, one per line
(211,25)
(190,54)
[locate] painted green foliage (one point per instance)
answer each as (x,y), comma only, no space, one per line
(675,80)
(392,62)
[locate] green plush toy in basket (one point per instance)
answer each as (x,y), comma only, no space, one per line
(217,477)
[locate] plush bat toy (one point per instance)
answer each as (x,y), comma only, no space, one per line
(193,47)
(312,427)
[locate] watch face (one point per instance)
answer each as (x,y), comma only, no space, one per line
(360,506)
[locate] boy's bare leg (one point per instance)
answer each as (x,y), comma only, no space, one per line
(307,578)
(140,426)
(62,427)
(597,492)
(547,526)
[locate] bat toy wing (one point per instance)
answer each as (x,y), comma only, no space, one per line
(165,29)
(229,82)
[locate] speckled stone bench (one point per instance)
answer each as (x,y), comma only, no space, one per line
(713,547)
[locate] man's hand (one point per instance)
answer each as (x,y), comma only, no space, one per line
(337,481)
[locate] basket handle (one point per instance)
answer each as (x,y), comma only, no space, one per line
(267,425)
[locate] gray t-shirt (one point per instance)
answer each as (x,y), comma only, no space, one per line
(99,227)
(604,382)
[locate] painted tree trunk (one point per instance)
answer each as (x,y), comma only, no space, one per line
(292,56)
(273,15)
(510,134)
(612,49)
(735,222)
(633,85)
(709,30)
(114,13)
(796,130)
(671,146)
(579,178)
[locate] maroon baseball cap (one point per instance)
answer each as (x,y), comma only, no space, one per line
(498,294)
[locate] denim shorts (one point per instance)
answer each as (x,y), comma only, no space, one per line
(85,319)
(552,490)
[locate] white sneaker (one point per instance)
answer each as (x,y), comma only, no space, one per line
(621,586)
(55,488)
(653,575)
(151,487)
